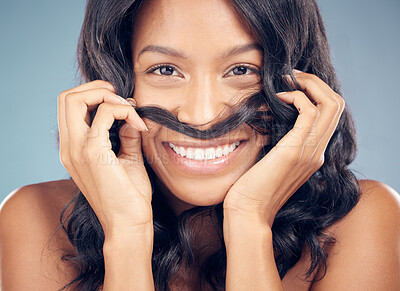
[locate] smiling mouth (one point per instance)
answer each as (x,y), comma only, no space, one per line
(205,159)
(204,154)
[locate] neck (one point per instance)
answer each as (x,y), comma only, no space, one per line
(203,226)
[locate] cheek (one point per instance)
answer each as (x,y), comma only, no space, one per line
(146,95)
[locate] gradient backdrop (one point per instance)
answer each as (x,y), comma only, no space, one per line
(37,62)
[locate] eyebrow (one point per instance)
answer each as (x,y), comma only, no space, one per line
(239,49)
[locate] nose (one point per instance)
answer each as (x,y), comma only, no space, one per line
(202,103)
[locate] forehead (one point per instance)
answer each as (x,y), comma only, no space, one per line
(192,24)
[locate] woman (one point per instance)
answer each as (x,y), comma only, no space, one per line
(228,170)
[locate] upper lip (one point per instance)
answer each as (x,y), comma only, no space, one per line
(204,144)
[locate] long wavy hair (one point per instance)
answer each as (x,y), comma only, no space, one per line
(292,35)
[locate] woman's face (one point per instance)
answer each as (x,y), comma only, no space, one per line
(196,59)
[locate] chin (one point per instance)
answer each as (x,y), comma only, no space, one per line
(201,197)
(183,195)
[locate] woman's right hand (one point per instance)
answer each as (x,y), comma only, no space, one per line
(117,188)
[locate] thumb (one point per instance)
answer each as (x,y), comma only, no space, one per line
(131,141)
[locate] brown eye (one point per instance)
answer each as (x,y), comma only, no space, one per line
(167,70)
(240,70)
(163,70)
(243,70)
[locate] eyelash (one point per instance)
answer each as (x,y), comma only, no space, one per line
(153,69)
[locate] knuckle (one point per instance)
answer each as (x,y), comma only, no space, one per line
(103,84)
(98,82)
(63,93)
(307,77)
(313,77)
(319,162)
(297,93)
(61,97)
(70,98)
(64,158)
(104,107)
(341,101)
(333,104)
(107,93)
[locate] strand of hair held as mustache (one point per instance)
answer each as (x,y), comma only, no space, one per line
(248,111)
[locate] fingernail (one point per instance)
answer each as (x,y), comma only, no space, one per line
(122,100)
(281,93)
(283,96)
(287,77)
(131,101)
(145,127)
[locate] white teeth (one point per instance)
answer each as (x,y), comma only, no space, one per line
(210,154)
(189,153)
(218,152)
(225,150)
(204,153)
(198,154)
(182,151)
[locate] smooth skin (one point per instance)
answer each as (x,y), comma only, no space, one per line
(365,257)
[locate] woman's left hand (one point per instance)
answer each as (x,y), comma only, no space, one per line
(266,187)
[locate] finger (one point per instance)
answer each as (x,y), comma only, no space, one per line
(131,101)
(321,95)
(290,150)
(313,87)
(84,101)
(65,155)
(77,110)
(305,123)
(62,125)
(63,136)
(326,100)
(332,106)
(329,103)
(105,117)
(97,84)
(64,149)
(131,142)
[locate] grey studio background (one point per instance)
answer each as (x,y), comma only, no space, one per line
(37,62)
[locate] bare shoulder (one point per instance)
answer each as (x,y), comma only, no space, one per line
(377,196)
(366,255)
(30,245)
(377,213)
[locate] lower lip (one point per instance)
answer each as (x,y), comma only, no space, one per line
(204,166)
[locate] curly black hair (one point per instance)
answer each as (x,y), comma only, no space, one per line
(292,35)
